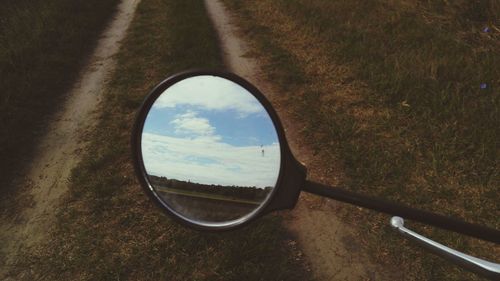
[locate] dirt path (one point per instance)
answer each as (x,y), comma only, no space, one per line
(60,149)
(329,245)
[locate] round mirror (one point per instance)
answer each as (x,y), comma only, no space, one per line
(210,151)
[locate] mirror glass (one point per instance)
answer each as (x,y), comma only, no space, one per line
(210,150)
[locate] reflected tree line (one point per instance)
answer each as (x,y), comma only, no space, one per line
(251,193)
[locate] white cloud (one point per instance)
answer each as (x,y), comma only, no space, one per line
(205,160)
(210,93)
(190,123)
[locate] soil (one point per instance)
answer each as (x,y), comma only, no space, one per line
(61,147)
(331,247)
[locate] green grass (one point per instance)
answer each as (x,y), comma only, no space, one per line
(391,90)
(43,45)
(107,227)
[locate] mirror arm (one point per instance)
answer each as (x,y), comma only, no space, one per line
(487,269)
(373,203)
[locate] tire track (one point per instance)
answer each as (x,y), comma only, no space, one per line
(329,244)
(59,150)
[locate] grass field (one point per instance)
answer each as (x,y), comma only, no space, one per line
(206,195)
(107,228)
(43,45)
(404,96)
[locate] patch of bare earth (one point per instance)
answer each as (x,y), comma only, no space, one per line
(60,149)
(332,247)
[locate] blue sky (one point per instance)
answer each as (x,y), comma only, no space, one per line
(253,129)
(210,130)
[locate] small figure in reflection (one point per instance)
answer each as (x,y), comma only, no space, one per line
(262,150)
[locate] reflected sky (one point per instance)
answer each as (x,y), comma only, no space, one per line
(210,130)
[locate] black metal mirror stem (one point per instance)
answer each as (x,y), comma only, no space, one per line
(456,225)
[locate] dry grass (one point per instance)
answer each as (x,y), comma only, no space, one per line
(107,228)
(43,45)
(392,89)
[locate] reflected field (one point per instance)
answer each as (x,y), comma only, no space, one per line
(209,202)
(206,207)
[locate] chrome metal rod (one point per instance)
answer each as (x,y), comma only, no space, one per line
(488,269)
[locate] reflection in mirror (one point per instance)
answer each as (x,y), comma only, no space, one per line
(210,150)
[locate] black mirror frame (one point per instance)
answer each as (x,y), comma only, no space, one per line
(292,173)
